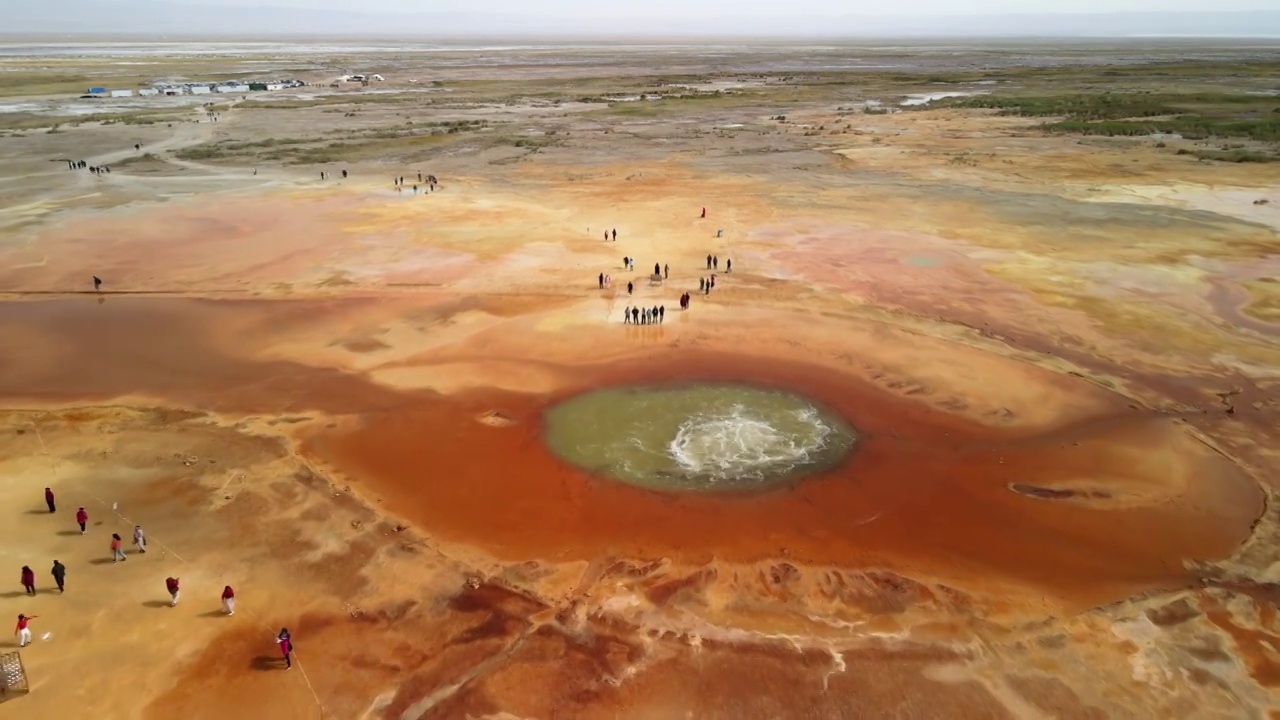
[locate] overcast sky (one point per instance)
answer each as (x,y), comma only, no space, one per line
(651,18)
(755,8)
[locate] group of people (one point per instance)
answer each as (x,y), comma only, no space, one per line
(652,316)
(644,316)
(324,175)
(81,165)
(428,179)
(172,584)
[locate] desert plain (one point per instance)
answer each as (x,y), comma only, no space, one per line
(1042,281)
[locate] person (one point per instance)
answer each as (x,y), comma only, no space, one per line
(626,315)
(657,270)
(615,234)
(228,600)
(626,262)
(715,263)
(712,281)
(415,189)
(286,647)
(117,554)
(606,236)
(171,584)
(708,262)
(28,580)
(59,573)
(662,312)
(344,174)
(701,283)
(82,517)
(601,281)
(666,271)
(704,212)
(23,631)
(635,316)
(728,265)
(48,500)
(139,539)
(629,287)
(608,281)
(653,315)
(97,284)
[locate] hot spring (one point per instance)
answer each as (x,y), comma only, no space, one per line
(704,437)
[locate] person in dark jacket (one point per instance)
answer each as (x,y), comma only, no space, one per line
(48,500)
(59,573)
(28,580)
(171,584)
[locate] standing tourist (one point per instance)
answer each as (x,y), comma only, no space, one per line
(286,647)
(139,539)
(228,600)
(82,517)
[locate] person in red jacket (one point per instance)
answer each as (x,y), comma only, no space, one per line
(48,500)
(82,517)
(171,584)
(22,631)
(228,600)
(29,580)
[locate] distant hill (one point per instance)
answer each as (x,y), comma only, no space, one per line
(152,18)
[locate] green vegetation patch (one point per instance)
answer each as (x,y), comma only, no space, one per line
(1195,116)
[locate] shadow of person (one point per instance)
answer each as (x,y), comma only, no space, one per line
(267,662)
(155,603)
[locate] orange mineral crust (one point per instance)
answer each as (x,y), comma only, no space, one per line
(1088,512)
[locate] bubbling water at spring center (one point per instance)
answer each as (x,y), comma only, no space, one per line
(704,437)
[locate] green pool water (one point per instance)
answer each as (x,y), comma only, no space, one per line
(704,437)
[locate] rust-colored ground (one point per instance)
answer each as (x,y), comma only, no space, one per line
(331,399)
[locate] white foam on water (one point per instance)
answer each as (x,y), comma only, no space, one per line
(738,443)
